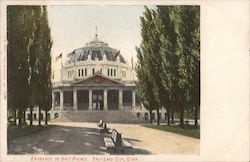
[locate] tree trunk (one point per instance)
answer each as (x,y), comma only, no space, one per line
(24,117)
(46,117)
(39,115)
(31,115)
(172,116)
(19,117)
(14,117)
(158,116)
(182,117)
(168,117)
(196,115)
(150,114)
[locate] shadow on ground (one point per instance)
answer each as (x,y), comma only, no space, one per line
(65,140)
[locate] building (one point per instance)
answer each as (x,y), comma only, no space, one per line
(95,78)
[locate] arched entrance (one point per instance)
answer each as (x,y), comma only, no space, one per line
(113,99)
(97,99)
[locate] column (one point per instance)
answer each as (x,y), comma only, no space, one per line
(74,99)
(133,99)
(61,100)
(105,106)
(120,99)
(90,99)
(53,101)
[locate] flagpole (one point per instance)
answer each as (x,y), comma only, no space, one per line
(61,61)
(74,64)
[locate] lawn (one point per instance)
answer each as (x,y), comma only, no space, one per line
(16,131)
(188,130)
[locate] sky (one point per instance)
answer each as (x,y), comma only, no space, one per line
(73,26)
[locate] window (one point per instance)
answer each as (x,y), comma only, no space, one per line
(108,72)
(56,99)
(56,115)
(111,72)
(127,97)
(100,71)
(82,72)
(28,116)
(86,72)
(93,71)
(79,72)
(96,54)
(114,72)
(68,98)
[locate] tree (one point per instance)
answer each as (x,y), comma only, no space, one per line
(12,14)
(29,61)
(19,39)
(143,85)
(34,60)
(187,27)
(150,48)
(45,68)
(170,52)
(168,43)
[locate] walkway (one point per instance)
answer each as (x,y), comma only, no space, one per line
(84,138)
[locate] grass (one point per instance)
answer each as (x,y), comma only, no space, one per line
(188,130)
(16,131)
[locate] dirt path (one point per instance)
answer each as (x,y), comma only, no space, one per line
(84,138)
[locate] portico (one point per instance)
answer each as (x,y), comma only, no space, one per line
(96,93)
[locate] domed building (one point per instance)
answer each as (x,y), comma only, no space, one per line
(96,79)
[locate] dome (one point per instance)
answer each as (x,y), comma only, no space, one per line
(95,50)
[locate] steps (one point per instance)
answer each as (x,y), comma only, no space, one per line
(111,116)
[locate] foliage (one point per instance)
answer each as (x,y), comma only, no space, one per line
(29,61)
(19,40)
(170,50)
(45,64)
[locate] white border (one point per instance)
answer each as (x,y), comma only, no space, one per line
(224,78)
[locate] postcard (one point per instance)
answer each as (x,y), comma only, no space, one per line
(124,81)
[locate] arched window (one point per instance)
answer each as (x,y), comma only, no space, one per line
(56,115)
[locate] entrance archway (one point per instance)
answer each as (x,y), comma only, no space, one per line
(113,99)
(82,99)
(97,99)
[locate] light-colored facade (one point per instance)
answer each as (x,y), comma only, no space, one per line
(96,77)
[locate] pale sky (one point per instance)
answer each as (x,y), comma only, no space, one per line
(73,26)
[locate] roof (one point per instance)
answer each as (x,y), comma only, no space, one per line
(98,79)
(95,50)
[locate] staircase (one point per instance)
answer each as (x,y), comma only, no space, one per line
(111,116)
